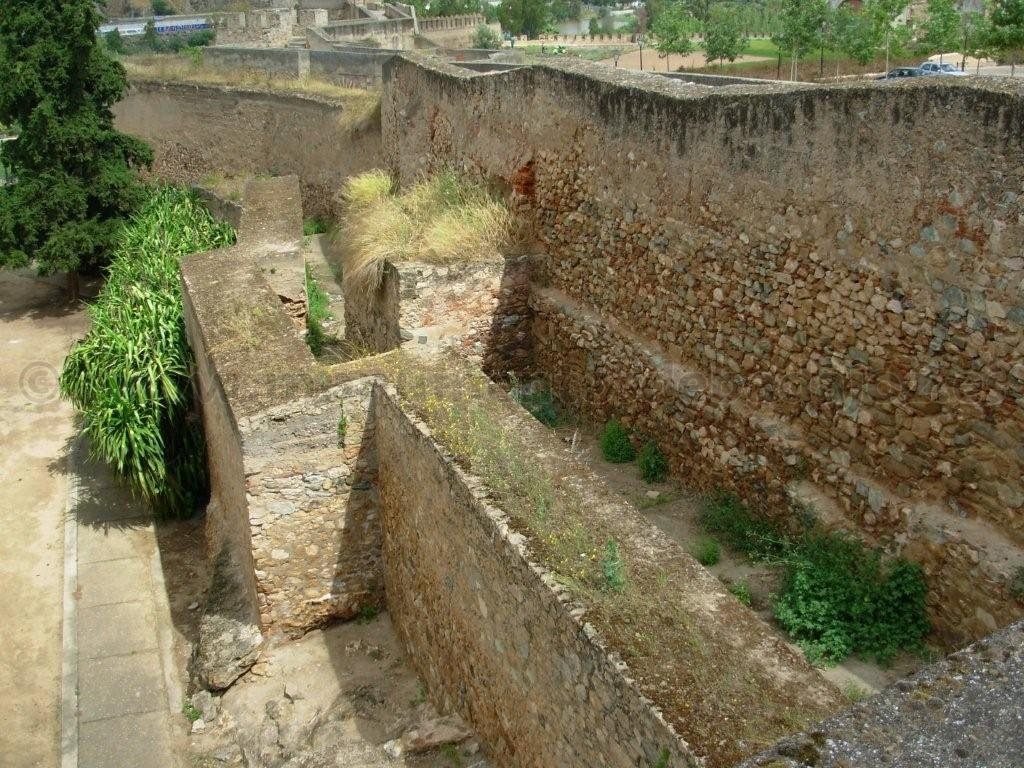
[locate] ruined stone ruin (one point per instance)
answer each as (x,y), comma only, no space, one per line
(810,295)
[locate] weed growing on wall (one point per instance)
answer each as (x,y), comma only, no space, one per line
(840,597)
(441,220)
(615,444)
(652,463)
(131,375)
(316,314)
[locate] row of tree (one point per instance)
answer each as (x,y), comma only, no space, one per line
(860,34)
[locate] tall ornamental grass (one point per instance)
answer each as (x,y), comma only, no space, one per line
(131,375)
(442,219)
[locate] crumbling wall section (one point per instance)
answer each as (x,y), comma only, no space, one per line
(827,281)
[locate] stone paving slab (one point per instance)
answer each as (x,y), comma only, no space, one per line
(111,581)
(132,741)
(97,544)
(120,685)
(117,629)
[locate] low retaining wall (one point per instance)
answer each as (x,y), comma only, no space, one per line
(198,131)
(481,309)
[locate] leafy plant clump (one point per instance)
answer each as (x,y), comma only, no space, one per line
(652,462)
(539,400)
(613,570)
(439,220)
(131,375)
(615,443)
(708,553)
(741,590)
(316,314)
(314,226)
(840,597)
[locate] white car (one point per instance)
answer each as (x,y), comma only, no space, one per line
(934,68)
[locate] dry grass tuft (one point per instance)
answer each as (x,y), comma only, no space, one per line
(440,220)
(170,67)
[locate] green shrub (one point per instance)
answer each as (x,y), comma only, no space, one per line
(539,400)
(314,226)
(841,598)
(613,570)
(316,314)
(131,375)
(615,444)
(663,757)
(652,462)
(708,552)
(753,535)
(741,590)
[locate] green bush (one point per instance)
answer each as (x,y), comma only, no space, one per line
(841,598)
(741,590)
(314,226)
(539,400)
(615,444)
(708,552)
(652,462)
(753,535)
(131,375)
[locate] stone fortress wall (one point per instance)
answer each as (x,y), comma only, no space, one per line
(808,294)
(328,494)
(607,312)
(200,131)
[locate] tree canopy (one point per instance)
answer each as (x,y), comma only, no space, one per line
(724,38)
(1006,28)
(524,17)
(673,28)
(941,27)
(75,179)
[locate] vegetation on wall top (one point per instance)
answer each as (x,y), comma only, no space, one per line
(443,219)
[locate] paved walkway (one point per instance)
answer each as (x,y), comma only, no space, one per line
(118,641)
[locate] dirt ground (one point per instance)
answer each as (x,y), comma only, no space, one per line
(38,326)
(675,510)
(656,62)
(341,697)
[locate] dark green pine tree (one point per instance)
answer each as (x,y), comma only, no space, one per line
(74,177)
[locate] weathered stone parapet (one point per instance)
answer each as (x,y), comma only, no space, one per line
(965,710)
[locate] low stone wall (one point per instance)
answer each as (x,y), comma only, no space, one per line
(498,639)
(965,710)
(802,337)
(481,309)
(272,62)
(196,131)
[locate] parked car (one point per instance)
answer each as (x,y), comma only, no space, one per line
(934,68)
(892,74)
